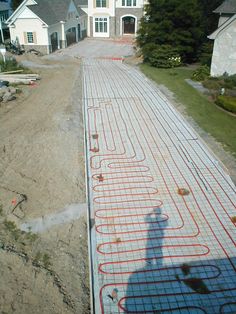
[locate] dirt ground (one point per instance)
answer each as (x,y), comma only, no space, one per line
(42,165)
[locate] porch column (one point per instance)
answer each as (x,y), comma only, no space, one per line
(63,38)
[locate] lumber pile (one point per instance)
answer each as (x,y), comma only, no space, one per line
(15,77)
(8,93)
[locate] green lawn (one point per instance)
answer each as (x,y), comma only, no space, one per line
(211,119)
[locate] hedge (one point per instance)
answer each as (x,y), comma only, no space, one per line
(161,56)
(226,102)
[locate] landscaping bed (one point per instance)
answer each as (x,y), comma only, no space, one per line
(201,108)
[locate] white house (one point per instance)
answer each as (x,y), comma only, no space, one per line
(114,18)
(47,25)
(224,52)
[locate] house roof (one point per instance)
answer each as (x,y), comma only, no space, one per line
(83,3)
(51,11)
(81,12)
(222,27)
(227,7)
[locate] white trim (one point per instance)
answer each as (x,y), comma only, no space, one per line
(16,12)
(222,27)
(44,24)
(107,34)
(121,23)
(129,6)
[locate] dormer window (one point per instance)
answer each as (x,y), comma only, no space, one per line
(101,3)
(129,3)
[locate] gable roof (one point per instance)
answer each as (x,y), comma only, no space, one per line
(81,12)
(81,3)
(49,11)
(227,7)
(222,27)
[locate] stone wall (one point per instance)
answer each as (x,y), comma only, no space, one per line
(138,13)
(91,26)
(112,26)
(43,49)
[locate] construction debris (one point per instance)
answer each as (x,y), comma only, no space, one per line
(25,79)
(7,93)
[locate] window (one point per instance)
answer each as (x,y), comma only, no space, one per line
(129,3)
(30,37)
(101,25)
(101,3)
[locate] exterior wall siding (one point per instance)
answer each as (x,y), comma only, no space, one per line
(29,25)
(224,53)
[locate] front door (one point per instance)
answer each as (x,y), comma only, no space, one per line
(128,25)
(54,41)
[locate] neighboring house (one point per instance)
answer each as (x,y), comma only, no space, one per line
(47,25)
(114,18)
(224,52)
(5,11)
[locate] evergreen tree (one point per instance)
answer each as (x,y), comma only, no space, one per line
(177,23)
(209,19)
(16,3)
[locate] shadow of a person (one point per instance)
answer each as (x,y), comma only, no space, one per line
(142,282)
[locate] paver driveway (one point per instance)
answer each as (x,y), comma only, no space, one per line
(162,211)
(97,48)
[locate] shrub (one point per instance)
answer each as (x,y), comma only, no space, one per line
(12,228)
(161,56)
(11,65)
(147,51)
(230,81)
(205,53)
(201,73)
(213,83)
(226,102)
(42,259)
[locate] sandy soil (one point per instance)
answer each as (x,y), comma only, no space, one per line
(41,157)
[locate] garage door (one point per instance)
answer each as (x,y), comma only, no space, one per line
(71,36)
